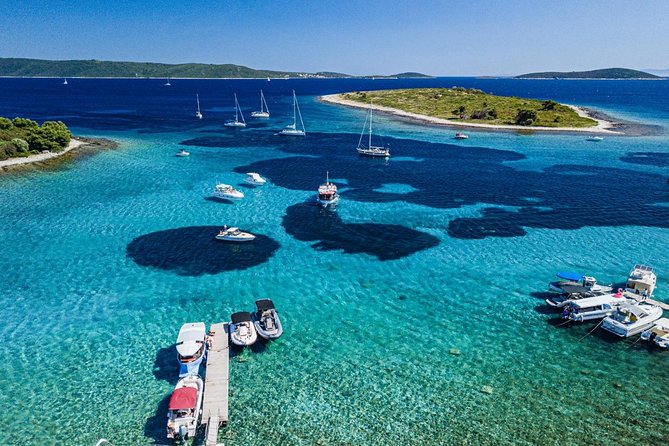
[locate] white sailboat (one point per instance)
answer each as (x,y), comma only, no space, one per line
(198,113)
(238,114)
(370,150)
(167,84)
(65,81)
(291,129)
(264,110)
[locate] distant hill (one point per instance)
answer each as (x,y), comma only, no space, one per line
(14,67)
(606,73)
(410,74)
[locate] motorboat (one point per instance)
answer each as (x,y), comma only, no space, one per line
(641,281)
(198,113)
(234,235)
(658,333)
(369,149)
(327,192)
(594,138)
(459,135)
(191,347)
(591,308)
(291,129)
(264,110)
(576,283)
(242,330)
(227,192)
(632,318)
(266,320)
(238,113)
(184,408)
(254,179)
(182,153)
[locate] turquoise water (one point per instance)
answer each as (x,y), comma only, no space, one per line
(96,280)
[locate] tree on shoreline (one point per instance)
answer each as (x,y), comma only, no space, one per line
(21,136)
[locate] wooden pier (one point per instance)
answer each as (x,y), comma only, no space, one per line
(215,407)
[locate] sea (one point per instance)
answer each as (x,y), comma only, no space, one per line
(413,311)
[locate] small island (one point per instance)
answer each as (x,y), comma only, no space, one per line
(458,106)
(603,74)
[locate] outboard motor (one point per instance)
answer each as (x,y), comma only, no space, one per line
(183,432)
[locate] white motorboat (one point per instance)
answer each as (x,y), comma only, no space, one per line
(227,192)
(575,283)
(369,149)
(327,192)
(184,408)
(291,129)
(191,347)
(641,281)
(264,110)
(234,235)
(658,333)
(254,179)
(631,318)
(594,138)
(198,113)
(182,153)
(242,330)
(459,135)
(591,308)
(238,113)
(266,320)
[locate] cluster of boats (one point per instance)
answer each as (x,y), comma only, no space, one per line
(185,404)
(624,311)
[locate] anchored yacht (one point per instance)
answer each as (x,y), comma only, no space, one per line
(182,153)
(291,129)
(191,347)
(641,280)
(254,179)
(234,235)
(238,114)
(264,110)
(658,333)
(591,308)
(631,318)
(227,192)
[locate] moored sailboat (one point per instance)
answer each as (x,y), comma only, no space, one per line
(371,150)
(291,129)
(198,113)
(264,110)
(238,114)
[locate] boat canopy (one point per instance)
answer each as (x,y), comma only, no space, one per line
(637,310)
(190,338)
(264,304)
(183,398)
(242,316)
(597,300)
(570,276)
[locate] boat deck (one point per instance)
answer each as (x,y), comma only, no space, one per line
(215,407)
(639,298)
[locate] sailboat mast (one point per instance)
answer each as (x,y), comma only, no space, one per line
(236,108)
(294,105)
(261,102)
(197,98)
(371,111)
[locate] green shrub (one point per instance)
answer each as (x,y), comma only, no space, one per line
(526,117)
(21,145)
(22,123)
(5,123)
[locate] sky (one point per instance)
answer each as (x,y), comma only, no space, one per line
(448,38)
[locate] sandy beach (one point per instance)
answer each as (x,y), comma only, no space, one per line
(603,126)
(74,143)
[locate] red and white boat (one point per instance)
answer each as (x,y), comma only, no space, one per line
(327,192)
(185,407)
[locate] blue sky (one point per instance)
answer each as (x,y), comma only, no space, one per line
(476,37)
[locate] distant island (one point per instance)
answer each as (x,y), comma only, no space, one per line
(606,73)
(15,67)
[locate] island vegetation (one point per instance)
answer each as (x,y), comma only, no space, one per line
(605,73)
(20,137)
(458,104)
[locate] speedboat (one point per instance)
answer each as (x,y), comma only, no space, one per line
(234,235)
(242,330)
(255,179)
(266,320)
(632,318)
(641,281)
(184,408)
(658,333)
(227,192)
(591,308)
(594,138)
(576,283)
(182,153)
(327,192)
(459,135)
(191,347)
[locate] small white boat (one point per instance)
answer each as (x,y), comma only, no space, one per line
(632,318)
(198,113)
(459,135)
(595,138)
(191,347)
(167,84)
(591,308)
(254,179)
(234,235)
(658,333)
(327,192)
(575,284)
(369,149)
(641,281)
(242,330)
(268,79)
(266,320)
(238,113)
(264,110)
(64,81)
(184,408)
(182,153)
(227,192)
(291,129)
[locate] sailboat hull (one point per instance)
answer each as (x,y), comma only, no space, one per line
(257,114)
(292,132)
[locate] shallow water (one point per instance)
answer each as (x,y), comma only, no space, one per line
(446,245)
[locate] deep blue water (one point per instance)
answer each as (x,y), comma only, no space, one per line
(446,245)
